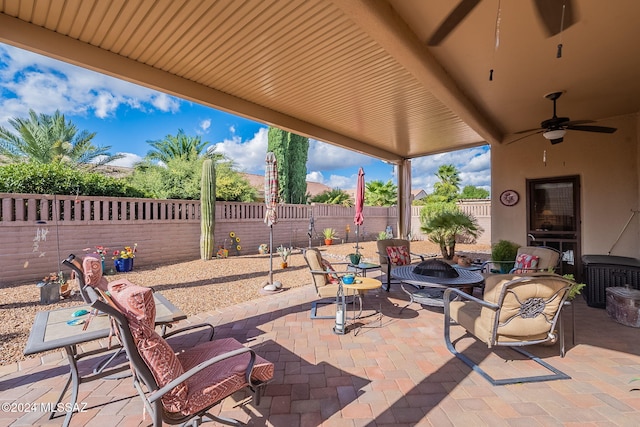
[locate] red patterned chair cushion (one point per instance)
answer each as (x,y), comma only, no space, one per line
(92,268)
(138,306)
(331,277)
(220,379)
(399,255)
(525,262)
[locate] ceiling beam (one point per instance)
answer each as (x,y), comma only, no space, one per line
(381,22)
(31,37)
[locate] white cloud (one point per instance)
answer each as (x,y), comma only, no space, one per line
(205,124)
(127,161)
(247,155)
(325,157)
(105,104)
(315,176)
(474,165)
(164,102)
(342,182)
(31,81)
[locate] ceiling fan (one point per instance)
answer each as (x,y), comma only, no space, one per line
(556,127)
(555,15)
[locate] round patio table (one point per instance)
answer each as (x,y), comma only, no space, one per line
(358,287)
(429,289)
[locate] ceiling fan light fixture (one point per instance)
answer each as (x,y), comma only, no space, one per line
(554,134)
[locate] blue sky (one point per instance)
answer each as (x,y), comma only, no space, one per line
(125,116)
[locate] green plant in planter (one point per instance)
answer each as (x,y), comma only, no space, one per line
(382,235)
(576,289)
(329,233)
(504,252)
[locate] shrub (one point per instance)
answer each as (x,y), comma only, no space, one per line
(58,178)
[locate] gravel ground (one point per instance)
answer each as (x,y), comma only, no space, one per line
(218,283)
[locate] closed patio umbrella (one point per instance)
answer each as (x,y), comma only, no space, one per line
(271,201)
(358,219)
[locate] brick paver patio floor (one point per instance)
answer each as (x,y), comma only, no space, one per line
(398,373)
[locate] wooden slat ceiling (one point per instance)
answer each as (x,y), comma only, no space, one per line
(303,65)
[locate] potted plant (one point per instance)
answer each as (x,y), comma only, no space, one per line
(329,234)
(576,289)
(284,254)
(504,253)
(123,260)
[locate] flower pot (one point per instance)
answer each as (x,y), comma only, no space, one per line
(284,265)
(355,258)
(328,241)
(123,265)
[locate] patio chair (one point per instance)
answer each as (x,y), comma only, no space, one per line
(516,312)
(183,387)
(324,278)
(529,259)
(93,286)
(394,253)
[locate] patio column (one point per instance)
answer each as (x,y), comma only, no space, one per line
(404,198)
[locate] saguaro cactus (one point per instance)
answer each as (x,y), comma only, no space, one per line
(207,209)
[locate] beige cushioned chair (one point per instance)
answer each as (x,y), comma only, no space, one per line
(546,258)
(320,279)
(516,311)
(386,263)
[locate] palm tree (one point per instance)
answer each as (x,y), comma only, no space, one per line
(49,139)
(445,226)
(381,194)
(449,182)
(333,197)
(179,146)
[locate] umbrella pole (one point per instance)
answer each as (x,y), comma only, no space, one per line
(357,238)
(271,254)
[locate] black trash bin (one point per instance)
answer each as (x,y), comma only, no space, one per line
(602,271)
(49,292)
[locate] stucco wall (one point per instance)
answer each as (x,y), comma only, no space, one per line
(608,168)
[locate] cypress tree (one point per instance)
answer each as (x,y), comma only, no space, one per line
(291,151)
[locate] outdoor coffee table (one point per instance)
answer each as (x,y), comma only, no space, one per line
(429,289)
(50,331)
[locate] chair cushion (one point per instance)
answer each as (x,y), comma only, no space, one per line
(92,269)
(382,246)
(138,306)
(525,262)
(220,379)
(331,277)
(513,327)
(547,257)
(399,255)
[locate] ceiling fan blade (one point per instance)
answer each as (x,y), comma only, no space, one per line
(526,136)
(578,122)
(526,131)
(599,129)
(550,12)
(455,17)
